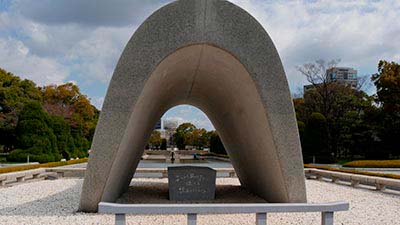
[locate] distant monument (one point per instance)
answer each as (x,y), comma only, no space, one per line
(191,183)
(215,56)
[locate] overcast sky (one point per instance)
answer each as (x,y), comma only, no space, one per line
(52,42)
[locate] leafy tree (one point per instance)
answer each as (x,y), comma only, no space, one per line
(182,136)
(34,135)
(155,139)
(333,100)
(163,144)
(358,136)
(316,142)
(387,82)
(64,126)
(14,93)
(216,145)
(201,139)
(197,138)
(68,102)
(65,141)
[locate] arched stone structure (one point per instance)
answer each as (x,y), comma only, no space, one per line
(215,56)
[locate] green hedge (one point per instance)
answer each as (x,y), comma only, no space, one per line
(374,163)
(43,165)
(214,154)
(19,155)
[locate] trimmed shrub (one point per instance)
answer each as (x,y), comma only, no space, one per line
(17,155)
(44,165)
(214,154)
(20,155)
(374,163)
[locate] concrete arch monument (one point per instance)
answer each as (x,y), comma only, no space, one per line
(215,56)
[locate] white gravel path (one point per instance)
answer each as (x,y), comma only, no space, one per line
(55,202)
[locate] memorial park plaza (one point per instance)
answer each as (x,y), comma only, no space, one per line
(215,56)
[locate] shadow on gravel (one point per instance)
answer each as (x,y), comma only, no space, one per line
(63,203)
(66,202)
(157,192)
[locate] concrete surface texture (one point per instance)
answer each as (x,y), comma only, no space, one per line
(213,55)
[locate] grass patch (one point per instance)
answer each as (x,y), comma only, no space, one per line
(374,163)
(386,175)
(214,154)
(43,165)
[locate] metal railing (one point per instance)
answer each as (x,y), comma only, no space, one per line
(191,210)
(160,172)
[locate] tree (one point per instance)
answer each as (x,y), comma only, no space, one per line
(357,135)
(44,122)
(199,138)
(182,136)
(316,139)
(68,102)
(216,145)
(65,141)
(14,93)
(155,139)
(333,100)
(163,144)
(315,73)
(387,82)
(34,135)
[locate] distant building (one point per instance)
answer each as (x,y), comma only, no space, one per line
(343,75)
(307,87)
(170,124)
(169,129)
(158,125)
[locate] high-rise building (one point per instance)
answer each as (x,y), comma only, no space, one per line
(170,124)
(345,75)
(158,125)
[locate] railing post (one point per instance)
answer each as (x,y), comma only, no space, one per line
(261,218)
(191,219)
(327,218)
(120,219)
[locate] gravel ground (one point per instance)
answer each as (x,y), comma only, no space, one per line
(56,202)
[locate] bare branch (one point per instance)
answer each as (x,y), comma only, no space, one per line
(315,73)
(364,83)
